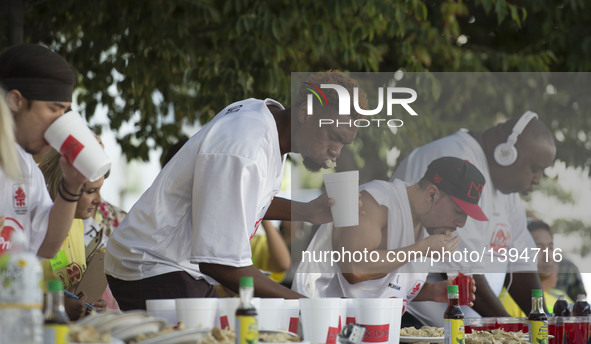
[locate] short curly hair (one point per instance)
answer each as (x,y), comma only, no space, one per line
(332,77)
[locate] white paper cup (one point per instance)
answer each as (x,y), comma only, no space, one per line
(163,308)
(197,312)
(376,315)
(344,188)
(396,307)
(270,314)
(227,310)
(320,319)
(70,136)
(291,316)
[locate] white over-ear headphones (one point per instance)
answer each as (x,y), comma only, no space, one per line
(506,153)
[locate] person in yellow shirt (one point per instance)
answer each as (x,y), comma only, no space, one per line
(270,253)
(70,262)
(547,270)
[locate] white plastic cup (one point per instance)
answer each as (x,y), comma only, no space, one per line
(227,310)
(197,313)
(163,308)
(270,314)
(320,319)
(376,315)
(291,316)
(396,306)
(70,136)
(344,188)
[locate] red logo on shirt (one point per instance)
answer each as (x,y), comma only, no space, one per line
(71,276)
(10,225)
(71,148)
(20,197)
(501,237)
(415,289)
(256,227)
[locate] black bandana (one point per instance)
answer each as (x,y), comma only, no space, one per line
(37,73)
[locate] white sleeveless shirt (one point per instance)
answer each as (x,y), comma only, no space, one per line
(316,279)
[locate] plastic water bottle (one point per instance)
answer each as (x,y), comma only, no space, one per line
(21,296)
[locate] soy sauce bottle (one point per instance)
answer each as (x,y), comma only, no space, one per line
(55,328)
(247,327)
(561,307)
(537,319)
(581,307)
(453,317)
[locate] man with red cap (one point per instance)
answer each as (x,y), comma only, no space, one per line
(512,157)
(399,219)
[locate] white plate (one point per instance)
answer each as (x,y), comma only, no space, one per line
(409,339)
(190,336)
(114,341)
(96,318)
(151,325)
(123,320)
(291,334)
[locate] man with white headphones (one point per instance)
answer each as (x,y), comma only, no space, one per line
(512,157)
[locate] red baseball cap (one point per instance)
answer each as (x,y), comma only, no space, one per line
(461,180)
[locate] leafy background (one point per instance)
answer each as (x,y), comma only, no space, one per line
(159,65)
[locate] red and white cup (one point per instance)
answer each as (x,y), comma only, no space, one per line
(70,136)
(376,315)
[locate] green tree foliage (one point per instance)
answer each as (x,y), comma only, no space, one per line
(161,64)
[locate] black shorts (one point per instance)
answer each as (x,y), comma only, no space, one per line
(173,285)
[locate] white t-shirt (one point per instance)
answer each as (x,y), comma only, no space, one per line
(26,204)
(506,226)
(315,279)
(207,202)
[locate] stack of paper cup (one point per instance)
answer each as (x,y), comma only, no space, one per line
(320,319)
(344,188)
(163,308)
(197,312)
(396,307)
(70,136)
(270,314)
(376,315)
